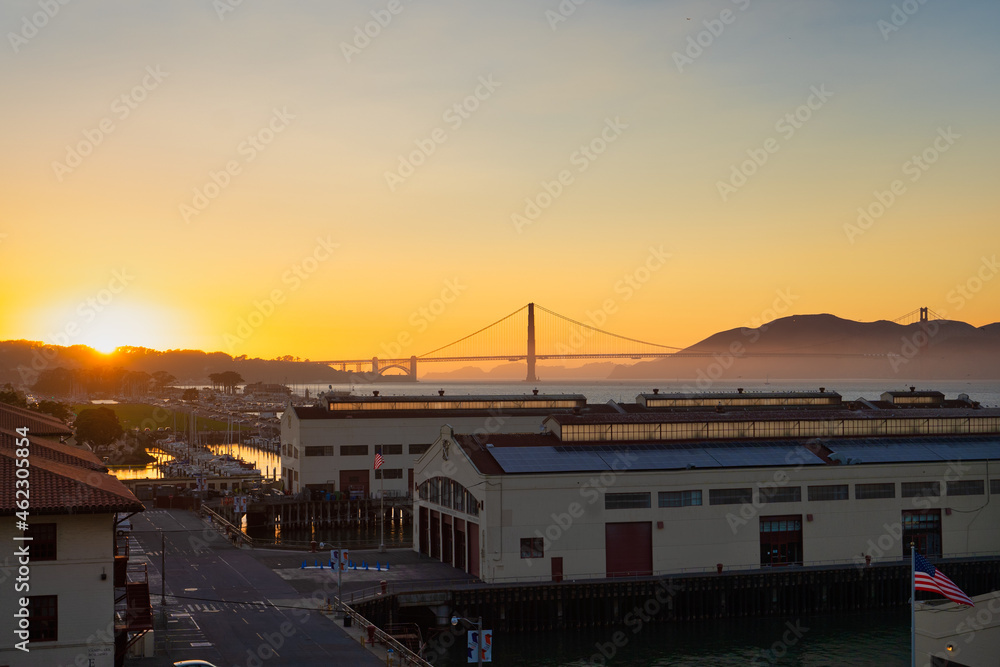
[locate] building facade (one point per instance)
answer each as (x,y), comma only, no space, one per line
(650,490)
(67,597)
(331,446)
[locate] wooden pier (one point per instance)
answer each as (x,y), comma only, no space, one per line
(611,602)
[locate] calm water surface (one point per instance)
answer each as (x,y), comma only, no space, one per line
(861,639)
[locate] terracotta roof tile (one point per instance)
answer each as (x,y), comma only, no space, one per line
(13,417)
(58,488)
(52,450)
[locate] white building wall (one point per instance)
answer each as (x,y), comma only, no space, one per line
(568,511)
(297,434)
(84,549)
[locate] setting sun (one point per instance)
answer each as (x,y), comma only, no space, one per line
(119,324)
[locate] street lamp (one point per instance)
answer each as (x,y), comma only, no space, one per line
(478,624)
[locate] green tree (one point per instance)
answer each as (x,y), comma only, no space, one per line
(227,380)
(56,381)
(11,396)
(190,394)
(162,380)
(98,427)
(54,408)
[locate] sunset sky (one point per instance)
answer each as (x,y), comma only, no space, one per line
(170,167)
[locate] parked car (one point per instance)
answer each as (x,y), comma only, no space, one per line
(124,526)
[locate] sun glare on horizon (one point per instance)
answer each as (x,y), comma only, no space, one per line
(119,325)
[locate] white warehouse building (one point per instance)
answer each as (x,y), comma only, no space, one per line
(330,446)
(677,483)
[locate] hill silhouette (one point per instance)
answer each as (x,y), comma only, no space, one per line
(810,345)
(21,362)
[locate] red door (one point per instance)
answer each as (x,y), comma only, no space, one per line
(473,549)
(557,572)
(628,548)
(354,483)
(447,536)
(424,532)
(435,534)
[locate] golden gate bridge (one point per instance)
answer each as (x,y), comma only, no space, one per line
(521,336)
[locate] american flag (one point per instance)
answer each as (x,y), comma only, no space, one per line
(378,461)
(928,578)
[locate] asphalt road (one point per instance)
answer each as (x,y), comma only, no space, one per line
(224,606)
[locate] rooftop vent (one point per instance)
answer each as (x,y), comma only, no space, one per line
(655,390)
(440,392)
(739,390)
(822,390)
(535,392)
(913,388)
(374,393)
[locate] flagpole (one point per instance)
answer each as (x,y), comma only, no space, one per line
(381,546)
(913,606)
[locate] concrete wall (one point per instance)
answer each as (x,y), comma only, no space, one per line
(958,633)
(86,602)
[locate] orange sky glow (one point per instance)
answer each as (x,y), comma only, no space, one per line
(270,181)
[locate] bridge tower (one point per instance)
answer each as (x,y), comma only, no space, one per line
(413,368)
(531,344)
(923,314)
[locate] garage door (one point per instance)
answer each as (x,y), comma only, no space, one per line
(629,548)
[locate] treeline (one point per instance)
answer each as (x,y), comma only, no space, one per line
(23,363)
(11,396)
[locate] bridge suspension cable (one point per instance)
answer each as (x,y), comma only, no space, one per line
(921,314)
(475,333)
(606,333)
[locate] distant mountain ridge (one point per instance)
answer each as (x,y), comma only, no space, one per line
(21,361)
(935,349)
(800,347)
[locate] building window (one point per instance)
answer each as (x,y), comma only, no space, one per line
(679,498)
(43,541)
(43,618)
(869,491)
(969,487)
(622,501)
(532,547)
(388,450)
(730,496)
(828,492)
(419,449)
(923,529)
(920,489)
(994,486)
(389,473)
(780,494)
(354,450)
(320,451)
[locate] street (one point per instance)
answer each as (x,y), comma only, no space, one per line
(224,606)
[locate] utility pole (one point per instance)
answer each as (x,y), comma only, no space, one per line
(163,569)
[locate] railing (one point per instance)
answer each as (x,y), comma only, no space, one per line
(353,545)
(396,587)
(405,654)
(232,531)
